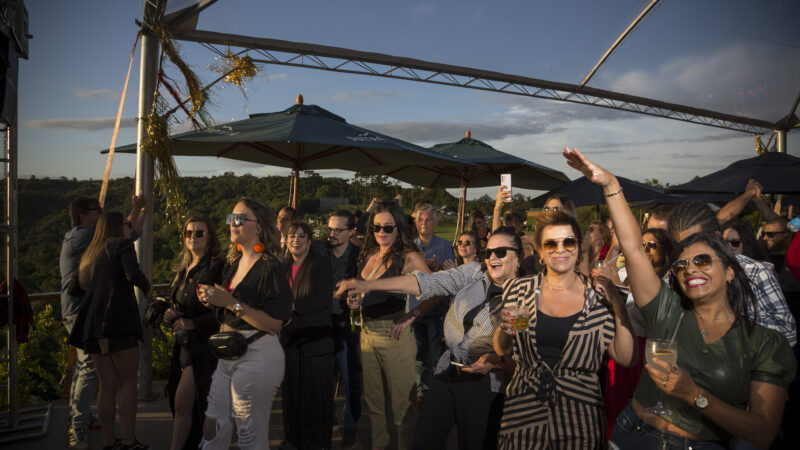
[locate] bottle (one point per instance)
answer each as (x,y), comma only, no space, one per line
(794,225)
(355,322)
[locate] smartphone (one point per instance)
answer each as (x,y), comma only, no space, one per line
(505,181)
(457,364)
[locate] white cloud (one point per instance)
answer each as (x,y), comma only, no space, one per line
(93,124)
(423,10)
(96,94)
(277,76)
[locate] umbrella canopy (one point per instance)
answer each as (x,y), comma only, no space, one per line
(778,173)
(583,192)
(488,162)
(306,137)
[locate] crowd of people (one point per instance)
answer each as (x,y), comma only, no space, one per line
(675,332)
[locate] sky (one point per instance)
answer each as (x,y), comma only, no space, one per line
(738,57)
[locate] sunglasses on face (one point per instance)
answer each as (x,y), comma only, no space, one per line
(197,233)
(388,229)
(734,243)
(500,252)
(463,243)
(701,261)
(551,245)
(771,234)
(649,246)
(551,208)
(238,220)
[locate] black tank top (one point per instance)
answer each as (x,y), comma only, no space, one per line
(379,303)
(551,336)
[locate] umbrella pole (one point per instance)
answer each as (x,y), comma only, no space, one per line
(460,227)
(295,178)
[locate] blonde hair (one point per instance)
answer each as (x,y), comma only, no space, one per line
(213,248)
(108,227)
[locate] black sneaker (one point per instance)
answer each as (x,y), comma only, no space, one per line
(349,439)
(135,446)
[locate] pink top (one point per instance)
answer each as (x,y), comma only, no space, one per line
(295,268)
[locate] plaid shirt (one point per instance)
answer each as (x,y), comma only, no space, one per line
(773,312)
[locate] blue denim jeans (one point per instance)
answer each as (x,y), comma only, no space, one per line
(83,391)
(631,432)
(348,362)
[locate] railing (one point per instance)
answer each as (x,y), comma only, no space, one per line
(46,296)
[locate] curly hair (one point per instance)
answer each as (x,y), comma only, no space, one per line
(739,291)
(268,235)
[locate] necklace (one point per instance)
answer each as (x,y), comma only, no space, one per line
(559,287)
(701,323)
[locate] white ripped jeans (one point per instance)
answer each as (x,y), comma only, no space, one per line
(242,392)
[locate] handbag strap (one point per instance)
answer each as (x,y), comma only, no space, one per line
(256,336)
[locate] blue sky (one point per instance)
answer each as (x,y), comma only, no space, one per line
(739,57)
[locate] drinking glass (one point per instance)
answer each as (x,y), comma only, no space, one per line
(665,350)
(521,317)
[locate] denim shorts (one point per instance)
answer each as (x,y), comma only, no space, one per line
(631,432)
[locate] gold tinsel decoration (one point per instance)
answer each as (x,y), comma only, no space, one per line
(759,146)
(197,94)
(238,68)
(157,145)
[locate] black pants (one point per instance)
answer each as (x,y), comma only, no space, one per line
(466,401)
(307,394)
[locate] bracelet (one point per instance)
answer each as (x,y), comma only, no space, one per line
(617,192)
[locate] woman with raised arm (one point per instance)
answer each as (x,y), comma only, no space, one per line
(731,374)
(253,302)
(108,325)
(466,389)
(388,352)
(558,329)
(192,363)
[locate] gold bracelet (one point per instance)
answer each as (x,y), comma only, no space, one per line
(617,192)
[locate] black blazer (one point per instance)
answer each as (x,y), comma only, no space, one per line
(311,328)
(109,308)
(208,271)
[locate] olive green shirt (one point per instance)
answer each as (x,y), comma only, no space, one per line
(724,368)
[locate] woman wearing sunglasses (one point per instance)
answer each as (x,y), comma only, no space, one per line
(255,300)
(387,352)
(554,399)
(741,238)
(466,389)
(108,326)
(468,249)
(731,374)
(192,363)
(307,390)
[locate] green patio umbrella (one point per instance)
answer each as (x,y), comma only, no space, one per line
(307,137)
(488,164)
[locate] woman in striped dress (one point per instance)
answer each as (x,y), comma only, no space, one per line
(554,399)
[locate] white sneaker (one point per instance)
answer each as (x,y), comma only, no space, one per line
(77,442)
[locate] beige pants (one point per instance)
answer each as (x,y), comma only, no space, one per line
(388,366)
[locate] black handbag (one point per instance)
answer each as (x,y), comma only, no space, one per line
(231,345)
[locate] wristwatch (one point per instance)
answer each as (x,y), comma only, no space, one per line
(701,401)
(416,312)
(237,309)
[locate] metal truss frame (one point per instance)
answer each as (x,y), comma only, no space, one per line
(336,59)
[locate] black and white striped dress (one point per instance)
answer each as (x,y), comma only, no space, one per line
(562,407)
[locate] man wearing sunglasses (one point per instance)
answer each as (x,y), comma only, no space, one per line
(343,256)
(429,328)
(693,217)
(84,213)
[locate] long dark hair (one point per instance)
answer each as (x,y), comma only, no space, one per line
(667,245)
(567,204)
(401,245)
(750,245)
(740,290)
(301,286)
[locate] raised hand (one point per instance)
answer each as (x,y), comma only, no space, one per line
(590,170)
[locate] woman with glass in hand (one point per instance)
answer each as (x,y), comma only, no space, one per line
(388,352)
(254,300)
(108,325)
(466,388)
(731,374)
(558,329)
(307,391)
(192,363)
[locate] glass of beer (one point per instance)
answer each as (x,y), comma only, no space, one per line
(665,350)
(520,315)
